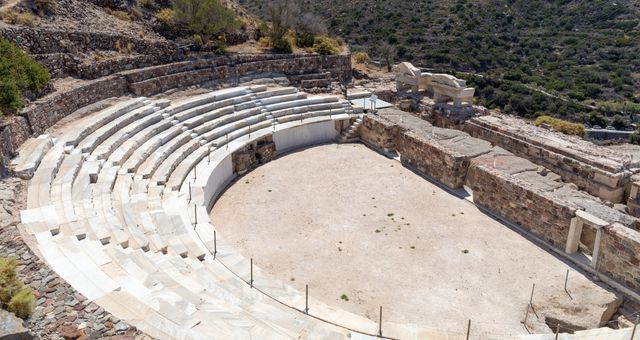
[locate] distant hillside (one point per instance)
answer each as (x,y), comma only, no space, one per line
(536,56)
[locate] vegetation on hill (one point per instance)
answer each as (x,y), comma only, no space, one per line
(288,26)
(18,74)
(562,58)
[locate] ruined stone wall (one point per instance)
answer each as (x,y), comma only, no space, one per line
(379,133)
(620,255)
(536,211)
(230,69)
(432,160)
(13,132)
(254,154)
(606,183)
(48,110)
(46,41)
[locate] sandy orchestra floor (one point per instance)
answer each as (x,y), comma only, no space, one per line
(365,232)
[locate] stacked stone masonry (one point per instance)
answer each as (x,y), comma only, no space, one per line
(509,186)
(45,112)
(601,173)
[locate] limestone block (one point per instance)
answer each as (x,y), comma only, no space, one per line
(11,327)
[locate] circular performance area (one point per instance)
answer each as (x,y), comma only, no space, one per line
(363,231)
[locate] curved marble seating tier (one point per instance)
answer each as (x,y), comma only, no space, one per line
(107,210)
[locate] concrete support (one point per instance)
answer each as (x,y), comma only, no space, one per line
(575,231)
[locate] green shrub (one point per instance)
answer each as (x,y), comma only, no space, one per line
(361,57)
(18,18)
(563,126)
(166,16)
(9,283)
(282,45)
(18,73)
(326,46)
(22,303)
(197,40)
(206,17)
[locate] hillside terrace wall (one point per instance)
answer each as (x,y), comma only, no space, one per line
(509,186)
(230,69)
(46,41)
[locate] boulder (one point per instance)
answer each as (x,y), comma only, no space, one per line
(585,306)
(11,327)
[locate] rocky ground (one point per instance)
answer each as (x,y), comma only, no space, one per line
(61,312)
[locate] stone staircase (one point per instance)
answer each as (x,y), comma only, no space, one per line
(350,134)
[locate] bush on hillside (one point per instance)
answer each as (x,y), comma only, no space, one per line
(13,295)
(563,126)
(18,73)
(307,28)
(282,14)
(204,17)
(22,303)
(361,57)
(326,46)
(9,283)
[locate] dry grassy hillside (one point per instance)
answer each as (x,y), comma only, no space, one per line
(587,53)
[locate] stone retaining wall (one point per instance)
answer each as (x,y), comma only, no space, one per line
(230,69)
(620,255)
(46,111)
(431,159)
(46,41)
(379,133)
(13,132)
(606,182)
(537,212)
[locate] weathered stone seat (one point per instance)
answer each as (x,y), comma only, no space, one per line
(108,201)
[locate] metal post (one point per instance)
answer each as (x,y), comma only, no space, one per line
(380,324)
(195,173)
(195,215)
(330,110)
(557,331)
(526,316)
(227,143)
(249,131)
(531,298)
(633,332)
(215,244)
(209,157)
(468,329)
(251,280)
(306,300)
(189,192)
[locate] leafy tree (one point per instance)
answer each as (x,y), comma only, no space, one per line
(205,17)
(18,73)
(618,122)
(307,27)
(282,14)
(388,53)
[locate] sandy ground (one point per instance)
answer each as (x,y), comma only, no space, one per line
(350,222)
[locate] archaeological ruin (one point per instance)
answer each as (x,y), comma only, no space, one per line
(126,183)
